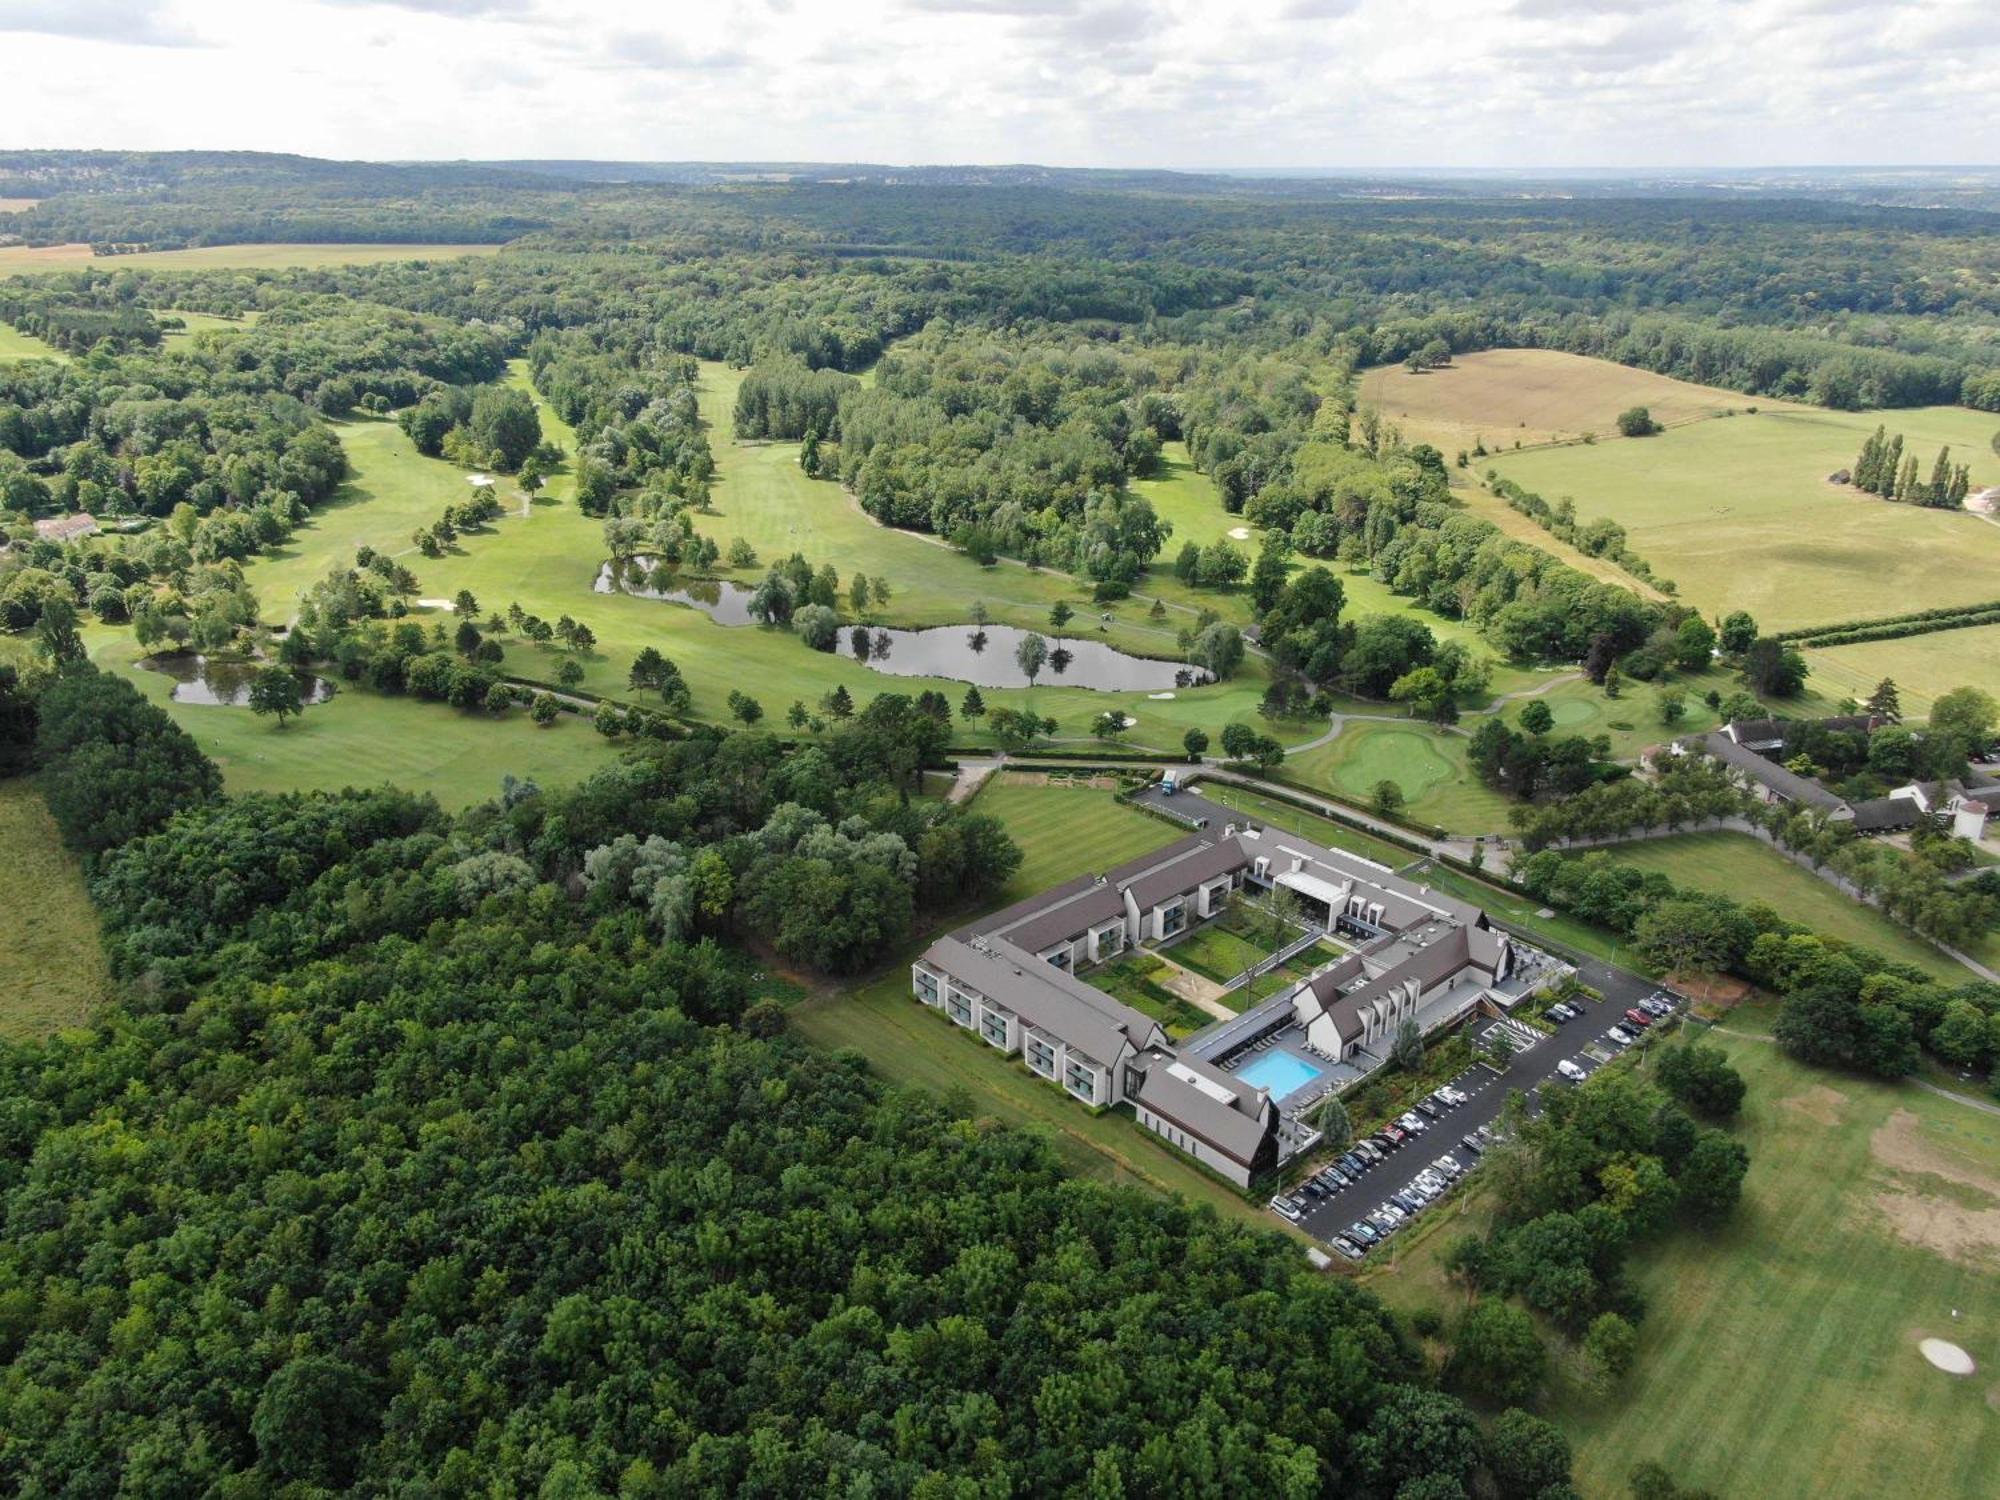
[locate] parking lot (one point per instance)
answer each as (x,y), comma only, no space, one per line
(1370,1198)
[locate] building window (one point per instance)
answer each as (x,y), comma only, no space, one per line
(994,1029)
(1081,1080)
(1172,919)
(1041,1057)
(960,1006)
(1060,960)
(927,987)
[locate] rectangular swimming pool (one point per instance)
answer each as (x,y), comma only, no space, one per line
(1279,1072)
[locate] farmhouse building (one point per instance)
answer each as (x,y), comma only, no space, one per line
(1411,954)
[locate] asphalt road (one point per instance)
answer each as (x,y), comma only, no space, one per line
(1582,1041)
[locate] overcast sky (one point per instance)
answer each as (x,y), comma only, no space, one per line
(1168,83)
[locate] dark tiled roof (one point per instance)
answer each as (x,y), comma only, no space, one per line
(1239,1128)
(1787,784)
(1879,813)
(1185,870)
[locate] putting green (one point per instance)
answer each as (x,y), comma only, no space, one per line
(1405,756)
(1570,712)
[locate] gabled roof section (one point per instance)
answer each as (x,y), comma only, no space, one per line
(1043,995)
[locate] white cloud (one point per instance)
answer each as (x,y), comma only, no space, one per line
(134,23)
(1362,84)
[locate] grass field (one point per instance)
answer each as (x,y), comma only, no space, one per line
(52,971)
(19,259)
(1735,864)
(1738,512)
(1505,397)
(1779,1358)
(1064,831)
(1923,666)
(359,738)
(1429,766)
(15,344)
(1188,500)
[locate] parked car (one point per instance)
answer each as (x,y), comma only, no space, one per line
(1620,1037)
(1452,1096)
(1412,1122)
(1571,1071)
(1450,1167)
(1342,1245)
(1638,1017)
(1411,1199)
(1471,1143)
(1287,1208)
(1656,1007)
(1427,1109)
(1559,1013)
(1388,1218)
(1353,1163)
(1394,1135)
(1369,1152)
(1363,1231)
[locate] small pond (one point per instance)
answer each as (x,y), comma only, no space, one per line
(643,578)
(985,655)
(965,653)
(225,684)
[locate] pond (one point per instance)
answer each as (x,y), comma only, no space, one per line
(985,655)
(225,684)
(644,578)
(966,653)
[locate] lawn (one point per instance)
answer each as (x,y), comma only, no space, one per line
(52,970)
(1439,787)
(1510,397)
(1065,831)
(1779,1357)
(15,344)
(1738,512)
(1189,502)
(1735,864)
(18,259)
(1923,666)
(360,738)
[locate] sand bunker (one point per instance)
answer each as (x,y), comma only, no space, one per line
(1168,694)
(1240,533)
(1947,1357)
(434,604)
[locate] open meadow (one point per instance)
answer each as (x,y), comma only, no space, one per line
(1739,513)
(52,970)
(16,260)
(1509,398)
(1922,666)
(15,344)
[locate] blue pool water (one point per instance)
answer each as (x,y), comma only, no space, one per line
(1280,1072)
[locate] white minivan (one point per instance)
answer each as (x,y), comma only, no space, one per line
(1571,1071)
